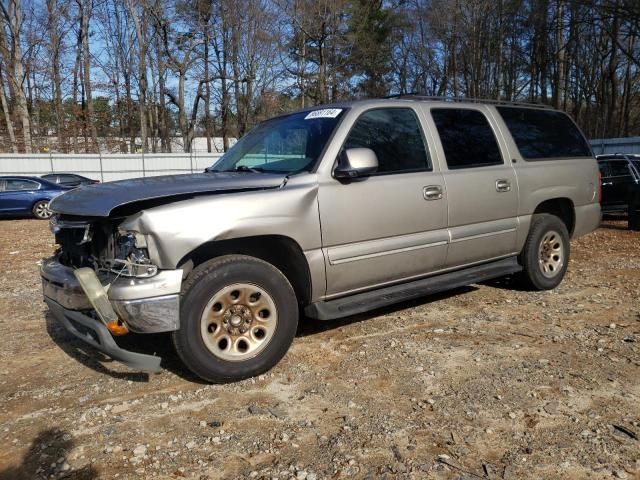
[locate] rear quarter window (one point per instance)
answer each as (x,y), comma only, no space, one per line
(619,168)
(69,179)
(544,134)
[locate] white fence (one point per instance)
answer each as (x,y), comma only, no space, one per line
(616,145)
(106,167)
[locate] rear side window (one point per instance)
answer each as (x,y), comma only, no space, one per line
(68,179)
(14,185)
(619,168)
(395,135)
(543,134)
(467,138)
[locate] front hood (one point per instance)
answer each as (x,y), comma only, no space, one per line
(101,199)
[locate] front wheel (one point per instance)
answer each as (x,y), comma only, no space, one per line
(41,210)
(545,255)
(238,317)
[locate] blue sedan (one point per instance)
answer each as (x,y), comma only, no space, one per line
(27,196)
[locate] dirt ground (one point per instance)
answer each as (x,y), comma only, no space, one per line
(482,382)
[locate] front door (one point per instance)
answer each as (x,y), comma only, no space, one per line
(17,194)
(482,189)
(392,225)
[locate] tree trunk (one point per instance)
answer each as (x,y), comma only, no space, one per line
(74,106)
(140,26)
(207,94)
(11,50)
(182,114)
(237,81)
(560,56)
(7,116)
(220,50)
(165,141)
(86,15)
(55,44)
(322,68)
(612,77)
(626,105)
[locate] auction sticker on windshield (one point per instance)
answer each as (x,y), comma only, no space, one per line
(324,113)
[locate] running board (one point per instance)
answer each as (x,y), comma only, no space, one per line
(382,297)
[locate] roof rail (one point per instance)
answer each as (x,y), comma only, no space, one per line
(466,99)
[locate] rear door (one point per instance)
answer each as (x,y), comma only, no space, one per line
(481,187)
(616,187)
(605,183)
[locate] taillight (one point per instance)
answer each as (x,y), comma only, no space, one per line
(599,187)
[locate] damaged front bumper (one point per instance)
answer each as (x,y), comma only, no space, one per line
(94,332)
(144,305)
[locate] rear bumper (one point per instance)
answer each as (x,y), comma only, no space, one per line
(145,305)
(94,333)
(588,218)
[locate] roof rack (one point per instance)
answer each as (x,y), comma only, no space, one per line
(467,100)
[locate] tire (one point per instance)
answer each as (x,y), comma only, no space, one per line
(545,255)
(41,210)
(238,317)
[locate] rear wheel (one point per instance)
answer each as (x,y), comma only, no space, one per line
(41,210)
(546,253)
(238,318)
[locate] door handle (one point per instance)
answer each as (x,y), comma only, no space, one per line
(432,192)
(607,183)
(503,185)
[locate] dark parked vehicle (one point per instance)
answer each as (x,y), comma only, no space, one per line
(28,196)
(69,179)
(621,186)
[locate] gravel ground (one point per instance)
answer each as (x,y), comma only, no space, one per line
(482,382)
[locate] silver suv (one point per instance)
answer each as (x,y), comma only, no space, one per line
(329,211)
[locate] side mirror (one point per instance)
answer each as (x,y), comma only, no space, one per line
(356,163)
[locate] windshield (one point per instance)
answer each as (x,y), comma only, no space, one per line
(283,145)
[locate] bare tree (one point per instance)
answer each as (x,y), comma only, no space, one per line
(139,18)
(11,52)
(56,33)
(179,48)
(86,7)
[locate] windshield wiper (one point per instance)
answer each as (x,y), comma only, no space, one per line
(244,168)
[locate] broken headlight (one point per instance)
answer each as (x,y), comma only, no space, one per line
(131,256)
